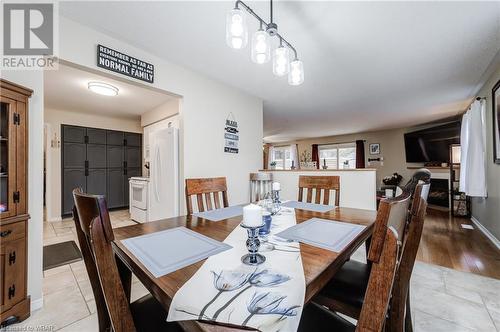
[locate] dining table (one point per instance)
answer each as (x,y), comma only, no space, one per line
(320,265)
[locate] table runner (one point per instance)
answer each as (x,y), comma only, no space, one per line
(268,297)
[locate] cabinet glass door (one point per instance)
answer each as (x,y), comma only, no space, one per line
(7,157)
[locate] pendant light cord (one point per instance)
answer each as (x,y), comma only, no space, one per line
(271,4)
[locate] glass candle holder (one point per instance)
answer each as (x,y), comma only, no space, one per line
(253,244)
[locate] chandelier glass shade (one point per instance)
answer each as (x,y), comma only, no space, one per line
(296,74)
(237,38)
(261,47)
(236,29)
(281,61)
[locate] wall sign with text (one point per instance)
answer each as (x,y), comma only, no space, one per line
(231,135)
(124,64)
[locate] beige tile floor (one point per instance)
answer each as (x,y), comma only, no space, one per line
(442,299)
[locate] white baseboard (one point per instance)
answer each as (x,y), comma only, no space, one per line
(54,219)
(486,232)
(37,304)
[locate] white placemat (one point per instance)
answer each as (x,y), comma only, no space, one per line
(323,233)
(221,214)
(268,297)
(308,206)
(172,249)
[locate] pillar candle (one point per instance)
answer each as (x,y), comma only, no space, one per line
(252,215)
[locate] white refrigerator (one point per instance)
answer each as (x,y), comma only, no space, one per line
(160,192)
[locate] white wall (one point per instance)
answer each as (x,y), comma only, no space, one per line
(33,80)
(487,210)
(166,110)
(204,108)
(54,119)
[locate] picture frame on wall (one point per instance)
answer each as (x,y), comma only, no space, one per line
(374,148)
(495,97)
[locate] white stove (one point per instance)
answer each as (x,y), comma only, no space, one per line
(139,192)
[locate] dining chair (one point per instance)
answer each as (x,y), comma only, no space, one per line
(345,292)
(316,317)
(260,185)
(114,310)
(400,319)
(420,175)
(208,188)
(319,184)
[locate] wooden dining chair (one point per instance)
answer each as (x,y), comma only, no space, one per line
(319,184)
(420,175)
(345,293)
(114,310)
(400,310)
(260,185)
(206,190)
(317,318)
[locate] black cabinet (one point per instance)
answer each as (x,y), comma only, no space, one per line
(96,181)
(115,138)
(116,188)
(115,157)
(100,162)
(72,178)
(96,156)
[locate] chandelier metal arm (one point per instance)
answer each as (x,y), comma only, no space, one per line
(251,12)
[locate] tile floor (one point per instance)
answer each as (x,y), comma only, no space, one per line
(442,299)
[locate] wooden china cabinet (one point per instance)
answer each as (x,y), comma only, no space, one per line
(14,302)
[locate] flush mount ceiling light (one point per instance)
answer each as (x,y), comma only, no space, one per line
(237,38)
(104,89)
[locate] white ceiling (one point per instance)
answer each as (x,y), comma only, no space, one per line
(67,89)
(368,65)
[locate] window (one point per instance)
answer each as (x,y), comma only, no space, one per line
(338,156)
(282,157)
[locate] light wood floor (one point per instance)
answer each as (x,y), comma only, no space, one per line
(444,242)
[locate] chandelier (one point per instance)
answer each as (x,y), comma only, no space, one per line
(237,38)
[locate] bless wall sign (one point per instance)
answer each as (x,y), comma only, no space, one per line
(122,63)
(231,135)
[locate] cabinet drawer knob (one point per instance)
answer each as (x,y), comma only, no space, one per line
(5,233)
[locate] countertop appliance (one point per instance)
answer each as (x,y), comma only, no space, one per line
(157,197)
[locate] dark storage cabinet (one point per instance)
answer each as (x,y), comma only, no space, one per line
(100,162)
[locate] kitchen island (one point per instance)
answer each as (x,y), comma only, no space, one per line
(357,186)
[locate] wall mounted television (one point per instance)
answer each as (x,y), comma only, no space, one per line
(432,144)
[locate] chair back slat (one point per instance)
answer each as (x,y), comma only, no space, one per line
(380,284)
(392,212)
(205,188)
(260,185)
(408,256)
(95,235)
(322,185)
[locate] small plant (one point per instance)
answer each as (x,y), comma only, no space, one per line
(273,164)
(392,180)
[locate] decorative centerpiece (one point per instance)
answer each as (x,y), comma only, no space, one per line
(252,222)
(275,196)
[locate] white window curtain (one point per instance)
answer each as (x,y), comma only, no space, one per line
(270,157)
(294,155)
(473,151)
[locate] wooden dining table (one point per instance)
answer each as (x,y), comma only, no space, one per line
(320,265)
